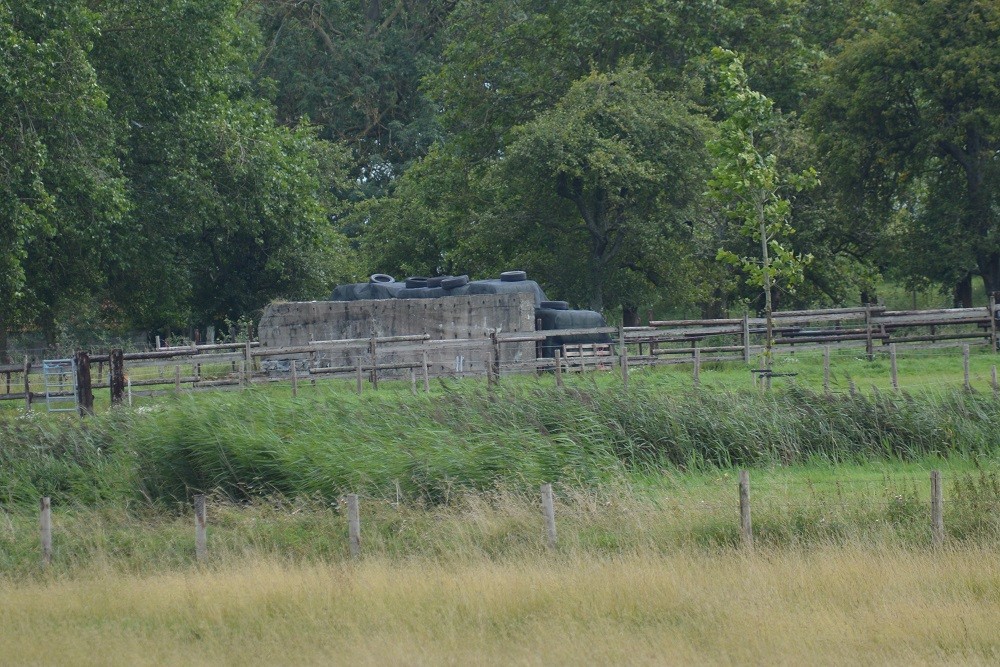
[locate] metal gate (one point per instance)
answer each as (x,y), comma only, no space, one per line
(60,385)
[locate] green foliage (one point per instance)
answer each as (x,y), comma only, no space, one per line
(908,118)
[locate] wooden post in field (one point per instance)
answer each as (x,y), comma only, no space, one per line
(295,380)
(852,388)
(993,381)
(427,375)
(892,366)
(746,337)
(495,359)
(27,385)
(558,369)
(826,370)
(993,323)
(248,356)
(937,510)
(549,512)
(413,381)
(84,389)
(697,367)
(869,348)
(200,527)
(965,366)
(360,379)
(354,524)
(746,526)
(623,356)
(372,347)
(116,376)
(177,379)
(45,530)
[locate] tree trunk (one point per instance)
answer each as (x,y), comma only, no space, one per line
(989,269)
(630,316)
(596,284)
(963,292)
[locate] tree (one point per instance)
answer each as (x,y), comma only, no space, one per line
(910,108)
(622,155)
(747,180)
(230,209)
(61,189)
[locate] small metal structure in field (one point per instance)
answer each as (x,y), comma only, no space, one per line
(60,385)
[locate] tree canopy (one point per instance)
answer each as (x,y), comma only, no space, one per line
(178,163)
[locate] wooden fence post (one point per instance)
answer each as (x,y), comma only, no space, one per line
(295,380)
(746,526)
(116,376)
(826,369)
(549,512)
(697,367)
(746,337)
(84,388)
(965,366)
(360,378)
(623,356)
(373,348)
(869,348)
(993,322)
(892,366)
(413,381)
(27,385)
(993,381)
(45,530)
(937,510)
(558,358)
(177,379)
(354,524)
(427,375)
(200,527)
(495,359)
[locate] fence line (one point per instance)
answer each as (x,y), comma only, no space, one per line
(741,516)
(662,342)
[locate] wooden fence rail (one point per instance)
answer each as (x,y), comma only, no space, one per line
(695,341)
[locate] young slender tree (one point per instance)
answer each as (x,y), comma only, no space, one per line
(747,181)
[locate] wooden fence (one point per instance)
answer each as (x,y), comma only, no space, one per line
(935,524)
(237,365)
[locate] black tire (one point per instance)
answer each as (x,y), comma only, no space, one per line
(416,281)
(554,305)
(456,281)
(436,281)
(381,278)
(513,276)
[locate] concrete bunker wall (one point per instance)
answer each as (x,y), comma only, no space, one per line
(445,318)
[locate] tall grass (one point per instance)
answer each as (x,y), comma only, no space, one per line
(855,605)
(258,444)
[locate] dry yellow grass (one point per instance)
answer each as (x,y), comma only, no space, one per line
(825,605)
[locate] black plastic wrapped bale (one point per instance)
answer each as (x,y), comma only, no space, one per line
(500,287)
(553,320)
(365,291)
(420,293)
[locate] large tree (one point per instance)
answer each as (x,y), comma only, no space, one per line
(910,119)
(618,164)
(61,189)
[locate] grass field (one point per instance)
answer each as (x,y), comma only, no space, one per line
(819,606)
(454,568)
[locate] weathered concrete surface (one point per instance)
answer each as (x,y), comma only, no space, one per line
(445,318)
